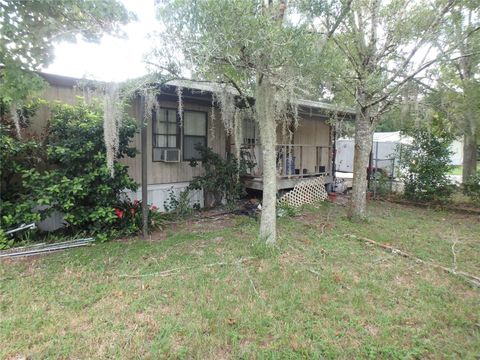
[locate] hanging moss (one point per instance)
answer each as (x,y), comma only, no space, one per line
(226,101)
(238,120)
(151,104)
(15,119)
(112,117)
(213,118)
(180,104)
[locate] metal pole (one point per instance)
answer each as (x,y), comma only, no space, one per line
(369,169)
(376,172)
(144,150)
(332,155)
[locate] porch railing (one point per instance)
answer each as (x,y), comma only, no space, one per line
(292,160)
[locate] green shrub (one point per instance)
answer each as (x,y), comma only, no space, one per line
(221,177)
(67,172)
(381,183)
(471,187)
(425,164)
(16,157)
(179,205)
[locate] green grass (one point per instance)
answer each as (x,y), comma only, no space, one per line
(318,294)
(456,170)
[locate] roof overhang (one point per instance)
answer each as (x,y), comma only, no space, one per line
(201,92)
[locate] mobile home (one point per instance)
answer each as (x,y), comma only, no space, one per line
(305,153)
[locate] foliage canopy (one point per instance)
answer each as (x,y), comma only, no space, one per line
(29,29)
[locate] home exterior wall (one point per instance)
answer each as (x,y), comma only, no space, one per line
(159,172)
(162,177)
(313,131)
(180,172)
(52,94)
(166,177)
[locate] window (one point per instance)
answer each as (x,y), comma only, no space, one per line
(250,135)
(165,129)
(194,132)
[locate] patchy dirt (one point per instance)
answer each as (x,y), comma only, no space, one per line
(211,220)
(317,222)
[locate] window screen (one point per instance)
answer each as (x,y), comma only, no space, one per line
(165,129)
(194,133)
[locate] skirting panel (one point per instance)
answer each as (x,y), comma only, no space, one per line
(159,194)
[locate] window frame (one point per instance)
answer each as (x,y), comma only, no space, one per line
(253,125)
(155,133)
(194,136)
(180,131)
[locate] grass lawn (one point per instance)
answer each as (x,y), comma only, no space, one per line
(456,170)
(318,294)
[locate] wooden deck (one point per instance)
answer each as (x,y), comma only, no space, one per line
(283,183)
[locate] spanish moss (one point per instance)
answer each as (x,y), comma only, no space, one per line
(227,107)
(15,119)
(112,117)
(180,104)
(213,118)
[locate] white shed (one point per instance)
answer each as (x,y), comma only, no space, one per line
(384,151)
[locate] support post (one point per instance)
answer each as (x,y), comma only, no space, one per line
(301,161)
(332,154)
(143,139)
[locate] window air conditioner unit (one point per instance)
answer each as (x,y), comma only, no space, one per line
(166,155)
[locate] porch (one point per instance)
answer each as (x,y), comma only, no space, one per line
(294,162)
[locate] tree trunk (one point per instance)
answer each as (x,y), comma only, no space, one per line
(469,155)
(470,127)
(363,147)
(265,109)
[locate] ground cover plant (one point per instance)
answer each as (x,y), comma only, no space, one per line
(209,289)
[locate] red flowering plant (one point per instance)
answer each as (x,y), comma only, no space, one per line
(119,213)
(129,217)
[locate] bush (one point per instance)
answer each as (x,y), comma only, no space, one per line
(16,157)
(130,219)
(221,177)
(67,172)
(179,205)
(471,187)
(381,183)
(425,164)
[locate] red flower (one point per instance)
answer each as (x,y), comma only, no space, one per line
(119,213)
(132,211)
(153,208)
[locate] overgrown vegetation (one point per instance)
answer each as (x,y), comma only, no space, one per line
(381,183)
(425,164)
(65,170)
(180,205)
(221,177)
(210,290)
(471,188)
